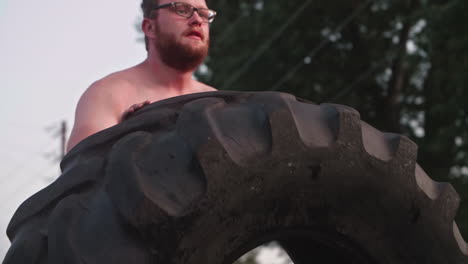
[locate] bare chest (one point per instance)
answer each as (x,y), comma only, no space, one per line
(136,96)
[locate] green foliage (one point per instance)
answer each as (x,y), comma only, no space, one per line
(402,64)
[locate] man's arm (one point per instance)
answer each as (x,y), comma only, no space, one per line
(96,110)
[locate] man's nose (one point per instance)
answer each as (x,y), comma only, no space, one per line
(196,19)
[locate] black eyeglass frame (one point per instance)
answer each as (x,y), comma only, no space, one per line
(173,4)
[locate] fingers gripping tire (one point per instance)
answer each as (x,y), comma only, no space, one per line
(203,178)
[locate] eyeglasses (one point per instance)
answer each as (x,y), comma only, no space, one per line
(186,10)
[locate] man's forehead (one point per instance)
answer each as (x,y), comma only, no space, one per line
(196,3)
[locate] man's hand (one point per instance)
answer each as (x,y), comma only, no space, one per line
(134,108)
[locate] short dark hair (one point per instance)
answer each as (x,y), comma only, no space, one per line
(147,8)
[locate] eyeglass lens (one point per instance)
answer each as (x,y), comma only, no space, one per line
(187,10)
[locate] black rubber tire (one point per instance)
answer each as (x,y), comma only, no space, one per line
(203,178)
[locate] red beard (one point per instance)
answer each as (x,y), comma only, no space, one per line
(180,56)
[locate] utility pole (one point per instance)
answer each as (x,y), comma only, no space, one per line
(59,132)
(63,134)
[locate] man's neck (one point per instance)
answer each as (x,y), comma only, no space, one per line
(168,77)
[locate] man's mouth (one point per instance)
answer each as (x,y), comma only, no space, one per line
(195,34)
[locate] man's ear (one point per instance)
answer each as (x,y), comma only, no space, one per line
(148,28)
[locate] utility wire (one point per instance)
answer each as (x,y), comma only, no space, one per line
(358,80)
(21,165)
(321,45)
(228,31)
(221,2)
(39,174)
(23,125)
(265,46)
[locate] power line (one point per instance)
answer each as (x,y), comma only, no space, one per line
(11,148)
(33,156)
(23,125)
(265,46)
(321,45)
(221,2)
(21,165)
(228,30)
(26,181)
(358,80)
(60,130)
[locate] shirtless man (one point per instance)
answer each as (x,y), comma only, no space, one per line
(177,41)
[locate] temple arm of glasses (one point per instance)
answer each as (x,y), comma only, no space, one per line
(162,6)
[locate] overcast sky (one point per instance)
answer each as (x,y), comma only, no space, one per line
(50,52)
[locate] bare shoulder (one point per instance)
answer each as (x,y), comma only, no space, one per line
(100,106)
(117,79)
(111,89)
(108,94)
(205,88)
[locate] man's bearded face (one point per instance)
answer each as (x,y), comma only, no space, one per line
(180,52)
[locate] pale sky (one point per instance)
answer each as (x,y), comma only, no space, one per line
(50,52)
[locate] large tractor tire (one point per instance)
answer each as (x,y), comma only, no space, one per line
(204,178)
